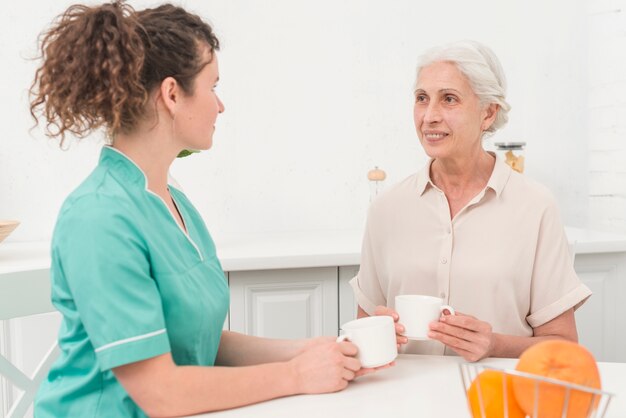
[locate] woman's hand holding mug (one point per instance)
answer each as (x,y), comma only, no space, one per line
(416,312)
(466,335)
(412,315)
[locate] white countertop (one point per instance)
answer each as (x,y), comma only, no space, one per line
(418,386)
(587,241)
(287,250)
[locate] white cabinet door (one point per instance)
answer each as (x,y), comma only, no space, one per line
(290,303)
(601,321)
(347,301)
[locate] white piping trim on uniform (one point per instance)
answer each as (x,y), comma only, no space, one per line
(130,340)
(176,222)
(161,199)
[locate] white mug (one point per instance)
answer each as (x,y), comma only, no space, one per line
(375,337)
(417,311)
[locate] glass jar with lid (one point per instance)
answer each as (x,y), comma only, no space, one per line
(512,153)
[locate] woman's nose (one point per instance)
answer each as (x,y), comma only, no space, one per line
(220,106)
(432,114)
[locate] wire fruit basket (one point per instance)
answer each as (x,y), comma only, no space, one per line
(551,398)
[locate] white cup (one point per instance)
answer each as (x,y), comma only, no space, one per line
(417,311)
(375,337)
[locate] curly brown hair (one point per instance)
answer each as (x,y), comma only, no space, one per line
(99,64)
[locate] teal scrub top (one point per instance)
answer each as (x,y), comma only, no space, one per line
(131,285)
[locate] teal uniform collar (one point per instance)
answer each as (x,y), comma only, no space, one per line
(123,166)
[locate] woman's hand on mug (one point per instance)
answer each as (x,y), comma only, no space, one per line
(384,310)
(466,335)
(327,366)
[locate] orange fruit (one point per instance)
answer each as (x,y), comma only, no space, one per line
(562,360)
(489,386)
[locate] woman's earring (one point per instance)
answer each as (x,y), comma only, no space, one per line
(173,126)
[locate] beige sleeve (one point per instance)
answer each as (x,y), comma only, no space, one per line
(555,287)
(366,285)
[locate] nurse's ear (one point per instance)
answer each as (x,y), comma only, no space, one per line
(170,93)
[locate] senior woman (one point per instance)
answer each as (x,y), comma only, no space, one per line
(467,228)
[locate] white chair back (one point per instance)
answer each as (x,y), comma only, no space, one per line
(24,294)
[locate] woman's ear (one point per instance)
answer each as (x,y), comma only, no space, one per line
(491,112)
(170,94)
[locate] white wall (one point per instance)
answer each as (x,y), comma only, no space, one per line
(316,94)
(607,114)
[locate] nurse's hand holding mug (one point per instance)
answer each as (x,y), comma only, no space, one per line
(375,339)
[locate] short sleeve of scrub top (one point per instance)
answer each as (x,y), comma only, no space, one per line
(108,270)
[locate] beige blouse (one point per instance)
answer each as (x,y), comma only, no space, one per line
(504,258)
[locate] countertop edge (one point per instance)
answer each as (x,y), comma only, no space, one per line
(288,250)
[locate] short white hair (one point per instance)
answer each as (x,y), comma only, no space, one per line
(481,67)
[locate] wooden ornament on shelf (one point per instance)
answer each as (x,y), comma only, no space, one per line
(376,176)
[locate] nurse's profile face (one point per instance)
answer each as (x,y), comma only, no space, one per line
(196,124)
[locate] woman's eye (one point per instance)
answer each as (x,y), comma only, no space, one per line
(450,99)
(420,98)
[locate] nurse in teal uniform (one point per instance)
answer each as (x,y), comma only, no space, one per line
(134,270)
